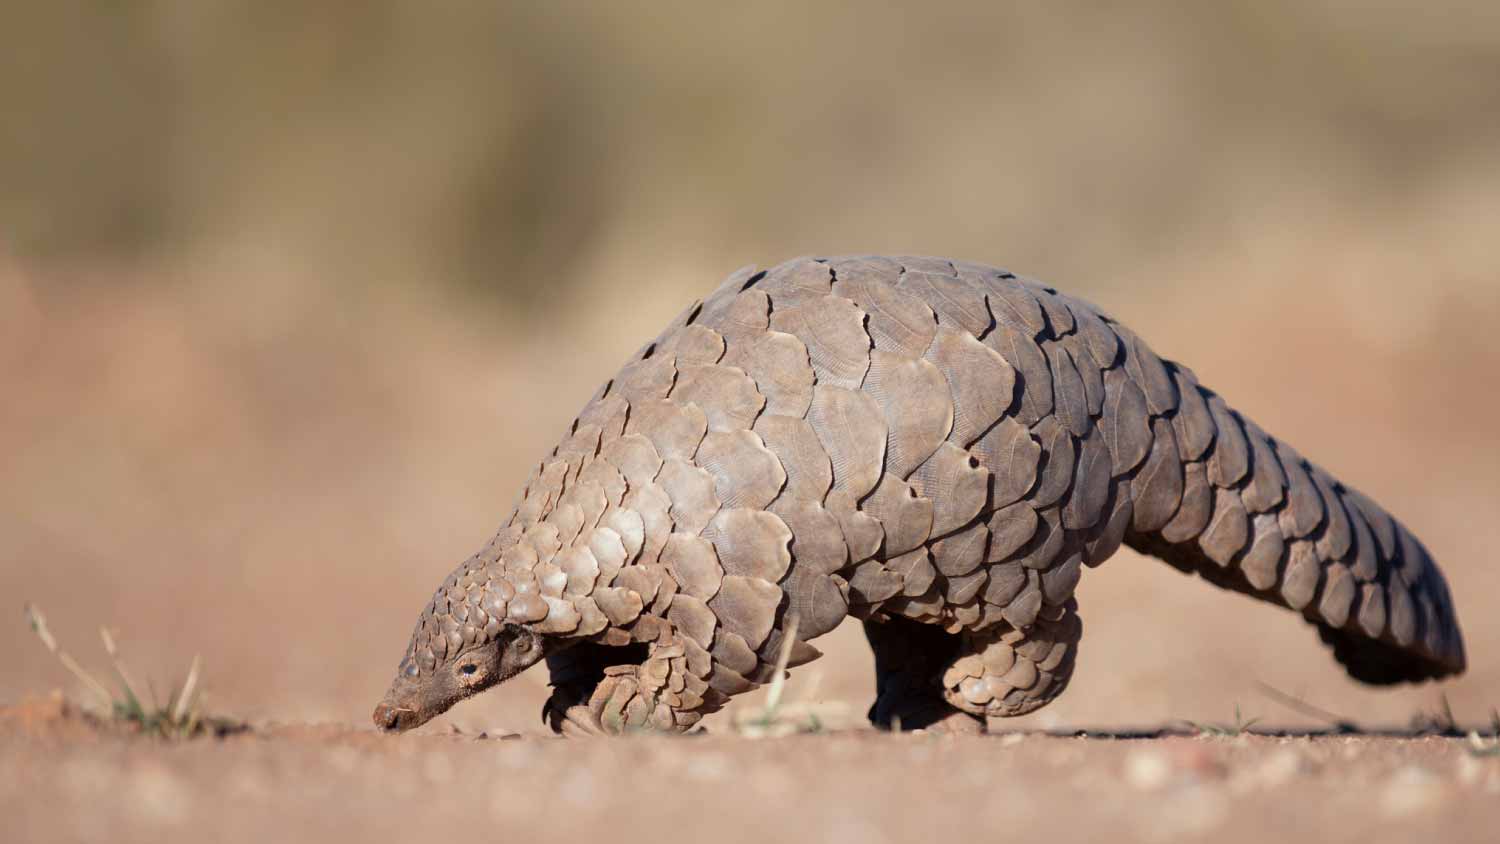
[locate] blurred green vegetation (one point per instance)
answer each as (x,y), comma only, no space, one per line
(293,294)
(499,147)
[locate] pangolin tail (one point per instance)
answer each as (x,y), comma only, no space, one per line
(1252,515)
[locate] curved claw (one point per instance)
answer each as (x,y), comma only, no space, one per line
(579,722)
(957,723)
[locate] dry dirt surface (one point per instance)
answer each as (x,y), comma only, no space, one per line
(292,301)
(284,509)
(65,777)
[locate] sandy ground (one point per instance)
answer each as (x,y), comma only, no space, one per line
(61,780)
(280,496)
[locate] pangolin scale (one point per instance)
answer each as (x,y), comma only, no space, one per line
(937,448)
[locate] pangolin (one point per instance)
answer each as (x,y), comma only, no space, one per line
(936,448)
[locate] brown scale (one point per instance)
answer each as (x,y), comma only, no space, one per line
(956,484)
(898,322)
(1013,305)
(1105,538)
(741,321)
(1192,424)
(1012,455)
(777,364)
(1058,461)
(871,584)
(905,516)
(1069,398)
(1102,342)
(747,606)
(797,281)
(939,449)
(958,301)
(819,601)
(926,264)
(724,394)
(817,536)
(806,465)
(750,543)
(746,474)
(1091,484)
(979,380)
(870,267)
(1125,422)
(1033,376)
(675,428)
(692,493)
(1090,374)
(832,329)
(852,430)
(918,407)
(1060,320)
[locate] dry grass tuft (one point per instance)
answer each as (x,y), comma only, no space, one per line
(179,717)
(1239,726)
(777,718)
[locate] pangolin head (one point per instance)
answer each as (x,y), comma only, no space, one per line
(464,643)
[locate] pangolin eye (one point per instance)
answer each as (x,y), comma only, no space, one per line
(469,668)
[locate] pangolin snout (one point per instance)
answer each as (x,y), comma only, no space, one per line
(393,719)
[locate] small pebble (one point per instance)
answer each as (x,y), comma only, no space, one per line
(1147,770)
(1410,790)
(1278,769)
(159,795)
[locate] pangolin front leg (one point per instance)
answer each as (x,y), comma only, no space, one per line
(611,691)
(576,672)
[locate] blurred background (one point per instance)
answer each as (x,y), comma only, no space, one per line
(292,294)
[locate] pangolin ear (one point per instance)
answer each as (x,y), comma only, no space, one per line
(520,648)
(523,640)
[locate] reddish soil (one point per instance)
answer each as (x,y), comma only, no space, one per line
(284,509)
(64,777)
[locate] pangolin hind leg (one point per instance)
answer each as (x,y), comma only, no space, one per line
(910,659)
(1002,671)
(599,690)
